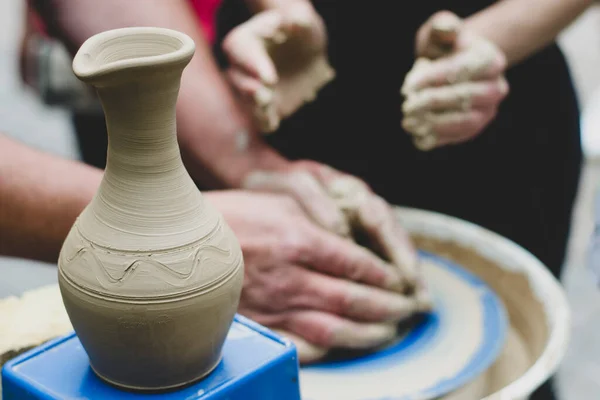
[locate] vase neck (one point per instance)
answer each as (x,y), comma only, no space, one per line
(146,197)
(141,127)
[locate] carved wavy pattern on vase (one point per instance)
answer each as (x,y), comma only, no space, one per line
(193,267)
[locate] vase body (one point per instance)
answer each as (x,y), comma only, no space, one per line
(150,273)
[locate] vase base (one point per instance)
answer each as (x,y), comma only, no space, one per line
(156,389)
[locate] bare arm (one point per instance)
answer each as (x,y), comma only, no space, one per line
(521,27)
(217,142)
(40,197)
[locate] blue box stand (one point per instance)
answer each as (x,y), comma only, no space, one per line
(256,365)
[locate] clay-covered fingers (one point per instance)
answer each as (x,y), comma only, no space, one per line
(246,46)
(376,218)
(481,61)
(331,331)
(307,191)
(258,97)
(301,82)
(439,35)
(249,87)
(373,216)
(445,27)
(352,300)
(300,20)
(459,97)
(460,126)
(448,127)
(340,257)
(252,72)
(283,50)
(453,90)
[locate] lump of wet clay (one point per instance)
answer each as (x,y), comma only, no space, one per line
(31,320)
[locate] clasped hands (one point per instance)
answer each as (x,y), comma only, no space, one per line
(455,86)
(357,297)
(278,62)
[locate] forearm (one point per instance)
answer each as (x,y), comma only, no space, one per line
(217,142)
(522,27)
(40,197)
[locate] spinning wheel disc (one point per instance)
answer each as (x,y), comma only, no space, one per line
(442,352)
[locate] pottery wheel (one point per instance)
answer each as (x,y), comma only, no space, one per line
(444,351)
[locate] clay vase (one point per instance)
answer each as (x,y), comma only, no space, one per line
(150,274)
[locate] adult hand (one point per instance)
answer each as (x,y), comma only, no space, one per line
(456,85)
(344,205)
(278,61)
(320,289)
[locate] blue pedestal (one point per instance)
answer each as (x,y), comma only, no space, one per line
(256,365)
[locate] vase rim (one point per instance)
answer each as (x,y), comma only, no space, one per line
(86,67)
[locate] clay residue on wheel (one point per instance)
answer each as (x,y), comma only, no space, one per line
(528,333)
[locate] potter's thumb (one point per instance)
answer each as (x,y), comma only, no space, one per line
(253,58)
(439,35)
(307,191)
(245,49)
(301,20)
(298,15)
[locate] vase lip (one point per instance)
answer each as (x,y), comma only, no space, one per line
(86,67)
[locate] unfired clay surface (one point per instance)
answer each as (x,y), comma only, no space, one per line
(150,273)
(427,109)
(528,333)
(30,320)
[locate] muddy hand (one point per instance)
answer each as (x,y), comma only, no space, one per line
(324,290)
(345,205)
(456,85)
(278,62)
(306,189)
(371,216)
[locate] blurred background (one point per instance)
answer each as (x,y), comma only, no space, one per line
(23,116)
